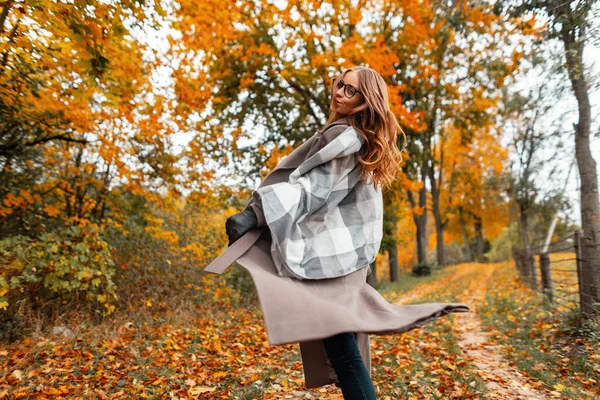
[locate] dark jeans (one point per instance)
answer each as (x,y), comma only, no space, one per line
(349,367)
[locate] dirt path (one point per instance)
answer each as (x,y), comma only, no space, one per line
(503,380)
(429,287)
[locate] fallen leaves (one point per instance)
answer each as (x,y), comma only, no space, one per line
(541,341)
(225,354)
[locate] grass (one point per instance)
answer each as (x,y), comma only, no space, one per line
(427,362)
(393,291)
(540,337)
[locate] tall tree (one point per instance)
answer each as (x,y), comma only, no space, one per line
(569,22)
(270,71)
(79,113)
(475,190)
(529,120)
(450,77)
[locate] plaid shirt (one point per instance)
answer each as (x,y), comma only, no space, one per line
(325,221)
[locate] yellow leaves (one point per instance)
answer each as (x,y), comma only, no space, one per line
(110,308)
(168,236)
(97,31)
(559,387)
(196,251)
(220,292)
(198,390)
(449,365)
(219,375)
(217,346)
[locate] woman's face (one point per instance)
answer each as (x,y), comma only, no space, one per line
(342,105)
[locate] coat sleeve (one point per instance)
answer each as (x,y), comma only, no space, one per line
(307,193)
(298,216)
(304,211)
(327,136)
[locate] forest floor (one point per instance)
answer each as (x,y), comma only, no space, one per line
(512,345)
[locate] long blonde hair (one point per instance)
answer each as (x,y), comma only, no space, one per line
(380,156)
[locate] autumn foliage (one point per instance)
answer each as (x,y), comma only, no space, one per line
(130,130)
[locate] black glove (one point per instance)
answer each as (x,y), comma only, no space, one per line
(238,224)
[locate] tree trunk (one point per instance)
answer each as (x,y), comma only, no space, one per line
(546,276)
(421,224)
(393,252)
(479,239)
(525,228)
(572,38)
(437,215)
(530,269)
(439,226)
(524,220)
(467,244)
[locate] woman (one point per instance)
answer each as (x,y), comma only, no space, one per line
(323,208)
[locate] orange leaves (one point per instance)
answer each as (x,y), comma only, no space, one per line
(218,375)
(222,352)
(381,57)
(51,211)
(198,390)
(169,236)
(74,74)
(22,201)
(193,90)
(418,210)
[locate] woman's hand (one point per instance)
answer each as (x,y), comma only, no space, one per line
(238,224)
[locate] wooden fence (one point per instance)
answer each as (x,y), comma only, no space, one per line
(566,276)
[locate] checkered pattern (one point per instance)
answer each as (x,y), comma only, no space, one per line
(325,221)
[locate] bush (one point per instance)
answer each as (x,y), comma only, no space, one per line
(161,253)
(501,249)
(76,261)
(241,281)
(421,269)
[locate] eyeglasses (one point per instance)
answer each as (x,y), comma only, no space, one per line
(349,90)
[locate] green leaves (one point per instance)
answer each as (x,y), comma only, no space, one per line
(77,260)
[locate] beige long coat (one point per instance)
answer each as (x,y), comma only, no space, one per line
(306,311)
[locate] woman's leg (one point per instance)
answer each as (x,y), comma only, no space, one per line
(343,353)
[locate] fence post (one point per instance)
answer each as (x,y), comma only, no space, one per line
(517,257)
(585,298)
(546,276)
